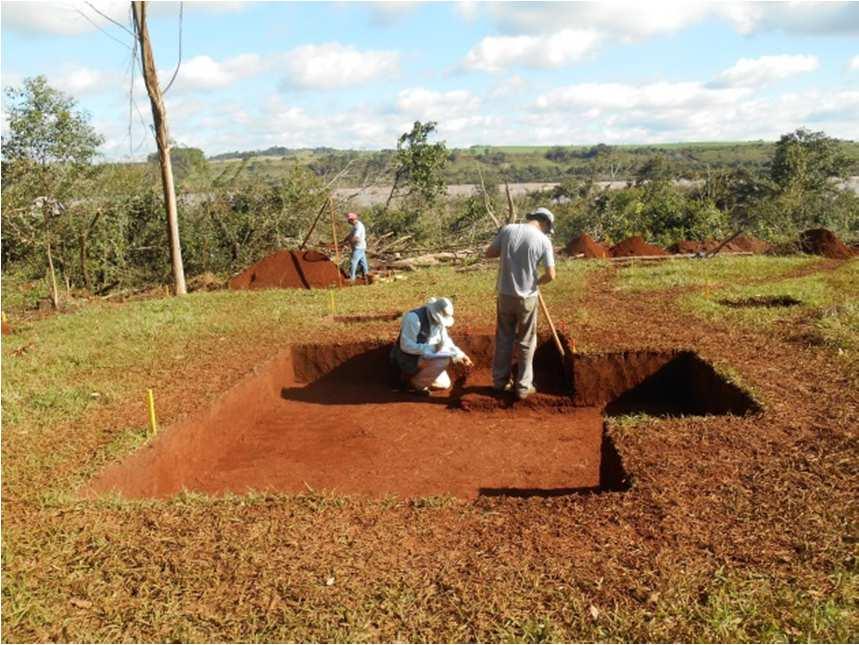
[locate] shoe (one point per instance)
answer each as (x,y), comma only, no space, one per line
(524,394)
(504,388)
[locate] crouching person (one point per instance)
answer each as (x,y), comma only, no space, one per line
(424,349)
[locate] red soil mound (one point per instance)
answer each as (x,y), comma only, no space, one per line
(584,244)
(748,244)
(693,246)
(741,244)
(289,269)
(821,241)
(635,246)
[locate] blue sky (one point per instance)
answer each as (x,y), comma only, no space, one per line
(356,75)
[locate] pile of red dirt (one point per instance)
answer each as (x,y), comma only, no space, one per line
(693,246)
(584,244)
(740,244)
(290,269)
(821,241)
(635,246)
(748,244)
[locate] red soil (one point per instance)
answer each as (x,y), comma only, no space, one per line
(323,416)
(635,246)
(821,241)
(741,243)
(290,269)
(352,434)
(584,244)
(747,243)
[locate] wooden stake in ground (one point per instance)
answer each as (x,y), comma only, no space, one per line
(159,117)
(336,247)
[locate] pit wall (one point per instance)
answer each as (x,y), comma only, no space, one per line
(208,431)
(597,379)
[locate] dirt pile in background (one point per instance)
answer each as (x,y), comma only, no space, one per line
(693,246)
(747,243)
(289,269)
(584,244)
(821,241)
(635,246)
(740,244)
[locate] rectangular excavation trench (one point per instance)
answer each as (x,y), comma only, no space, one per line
(327,417)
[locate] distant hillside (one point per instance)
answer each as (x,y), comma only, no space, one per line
(528,163)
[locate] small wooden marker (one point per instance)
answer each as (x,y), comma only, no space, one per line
(153,424)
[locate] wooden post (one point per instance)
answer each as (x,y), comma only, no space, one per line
(313,226)
(336,247)
(162,138)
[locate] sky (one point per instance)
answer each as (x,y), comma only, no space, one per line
(357,75)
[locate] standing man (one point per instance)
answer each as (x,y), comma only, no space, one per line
(357,239)
(521,248)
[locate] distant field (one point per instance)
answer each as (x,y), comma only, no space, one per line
(528,164)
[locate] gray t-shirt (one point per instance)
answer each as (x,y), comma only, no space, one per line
(359,236)
(522,248)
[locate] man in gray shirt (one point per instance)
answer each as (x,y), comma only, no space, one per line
(521,248)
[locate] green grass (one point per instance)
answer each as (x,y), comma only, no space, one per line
(256,567)
(710,273)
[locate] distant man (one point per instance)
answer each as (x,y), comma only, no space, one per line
(424,349)
(357,239)
(521,248)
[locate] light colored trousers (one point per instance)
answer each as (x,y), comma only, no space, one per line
(515,328)
(432,373)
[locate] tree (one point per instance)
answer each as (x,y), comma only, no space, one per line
(186,161)
(805,161)
(49,149)
(419,164)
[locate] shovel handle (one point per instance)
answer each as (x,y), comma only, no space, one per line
(545,311)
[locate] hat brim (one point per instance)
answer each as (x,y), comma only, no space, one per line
(447,321)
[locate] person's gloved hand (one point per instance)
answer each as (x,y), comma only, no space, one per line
(463,359)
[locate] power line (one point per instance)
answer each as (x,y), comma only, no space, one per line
(106,17)
(94,24)
(179,62)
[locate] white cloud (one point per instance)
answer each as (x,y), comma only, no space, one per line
(205,73)
(509,87)
(625,19)
(422,104)
(619,96)
(853,65)
(62,18)
(495,53)
(636,20)
(73,18)
(819,18)
(388,13)
(755,72)
(333,65)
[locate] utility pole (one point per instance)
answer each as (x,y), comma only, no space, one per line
(159,117)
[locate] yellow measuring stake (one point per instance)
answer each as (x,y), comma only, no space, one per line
(153,424)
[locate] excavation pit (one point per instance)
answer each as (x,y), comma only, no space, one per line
(760,301)
(326,417)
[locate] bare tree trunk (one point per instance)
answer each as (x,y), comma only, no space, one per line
(159,117)
(55,296)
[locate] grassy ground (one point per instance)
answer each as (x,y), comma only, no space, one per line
(735,529)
